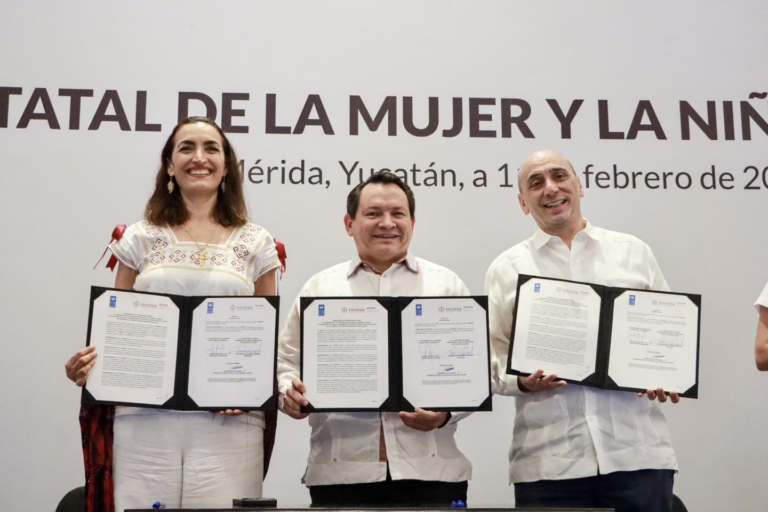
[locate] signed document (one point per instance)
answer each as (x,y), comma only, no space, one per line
(559,323)
(654,340)
(445,353)
(345,353)
(395,353)
(135,337)
(182,353)
(606,337)
(232,352)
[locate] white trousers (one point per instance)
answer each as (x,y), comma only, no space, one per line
(186,459)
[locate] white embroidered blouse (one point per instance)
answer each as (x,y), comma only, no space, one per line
(167,265)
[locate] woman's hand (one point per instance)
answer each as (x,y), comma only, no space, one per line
(80,364)
(231,412)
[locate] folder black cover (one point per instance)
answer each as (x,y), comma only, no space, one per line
(395,401)
(181,401)
(608,294)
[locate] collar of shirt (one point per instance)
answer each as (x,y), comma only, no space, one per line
(540,238)
(356,263)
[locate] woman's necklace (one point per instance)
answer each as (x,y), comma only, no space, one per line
(202,249)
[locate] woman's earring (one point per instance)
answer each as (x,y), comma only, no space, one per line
(223,184)
(171,186)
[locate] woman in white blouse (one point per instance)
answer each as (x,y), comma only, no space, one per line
(195,239)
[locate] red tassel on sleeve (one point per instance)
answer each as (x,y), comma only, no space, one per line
(280,254)
(117,234)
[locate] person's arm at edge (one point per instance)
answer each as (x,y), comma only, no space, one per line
(761,340)
(266,284)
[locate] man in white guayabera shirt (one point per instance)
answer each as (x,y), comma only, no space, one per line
(371,458)
(574,445)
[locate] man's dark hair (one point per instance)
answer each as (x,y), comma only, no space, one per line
(383,177)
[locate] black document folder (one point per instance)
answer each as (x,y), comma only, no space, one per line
(126,361)
(396,398)
(658,347)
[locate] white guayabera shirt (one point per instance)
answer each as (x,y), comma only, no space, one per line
(576,431)
(344,447)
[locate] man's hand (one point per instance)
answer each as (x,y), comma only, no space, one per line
(653,394)
(537,381)
(294,399)
(80,364)
(423,420)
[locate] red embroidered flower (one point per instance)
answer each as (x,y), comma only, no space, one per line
(157,258)
(178,256)
(219,259)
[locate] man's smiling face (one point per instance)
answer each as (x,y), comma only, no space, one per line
(551,192)
(383,225)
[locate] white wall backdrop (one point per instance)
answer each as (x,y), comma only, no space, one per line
(63,190)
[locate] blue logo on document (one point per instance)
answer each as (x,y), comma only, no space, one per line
(112,301)
(321,310)
(418,309)
(631,300)
(536,287)
(210,308)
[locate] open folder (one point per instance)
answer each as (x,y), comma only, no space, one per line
(606,337)
(395,353)
(182,353)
